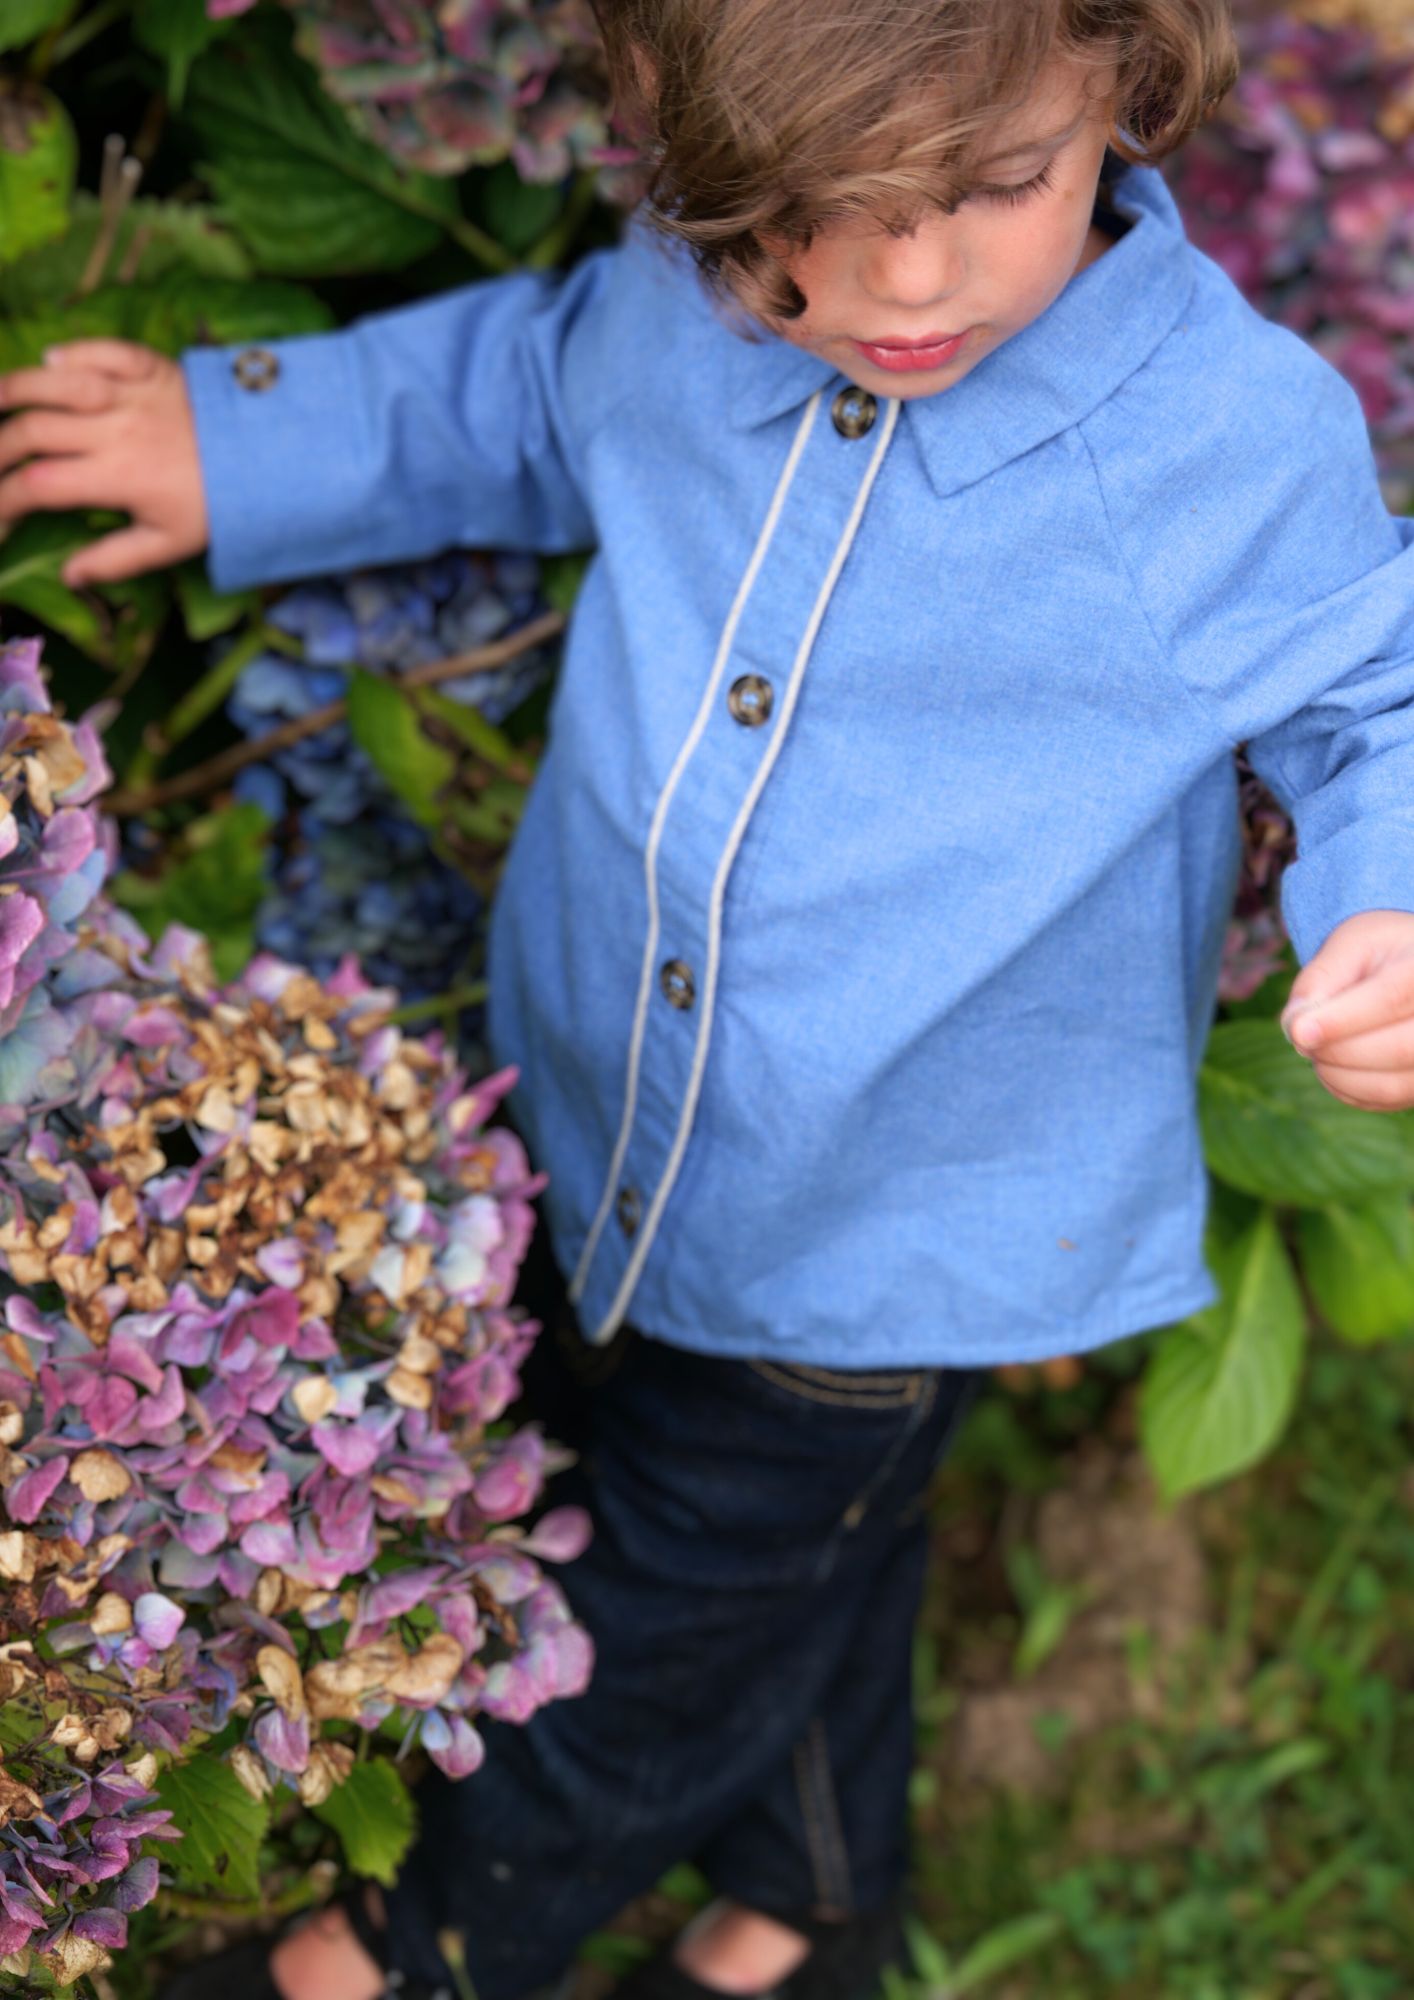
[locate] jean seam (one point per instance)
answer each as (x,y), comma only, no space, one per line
(820,1812)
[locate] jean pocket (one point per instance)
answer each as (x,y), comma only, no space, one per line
(848,1388)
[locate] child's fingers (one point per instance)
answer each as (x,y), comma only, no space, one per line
(1366,1090)
(1385,995)
(46,483)
(123,358)
(1390,1047)
(126,552)
(58,389)
(42,433)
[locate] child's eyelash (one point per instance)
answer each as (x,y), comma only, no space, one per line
(1021,189)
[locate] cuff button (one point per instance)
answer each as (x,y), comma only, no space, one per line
(256,368)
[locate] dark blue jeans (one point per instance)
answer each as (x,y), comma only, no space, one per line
(751,1589)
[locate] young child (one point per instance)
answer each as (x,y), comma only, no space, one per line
(954,522)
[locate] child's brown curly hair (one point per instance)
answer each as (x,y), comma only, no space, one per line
(769,118)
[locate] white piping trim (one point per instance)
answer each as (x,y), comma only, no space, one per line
(609,1325)
(655,837)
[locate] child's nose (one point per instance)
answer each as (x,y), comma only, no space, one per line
(921,269)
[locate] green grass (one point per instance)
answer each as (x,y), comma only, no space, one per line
(1253,1837)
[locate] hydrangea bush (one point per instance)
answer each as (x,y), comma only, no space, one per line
(350,871)
(1303,190)
(469,82)
(258,1247)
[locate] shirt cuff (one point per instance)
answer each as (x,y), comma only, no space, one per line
(283,457)
(1369,866)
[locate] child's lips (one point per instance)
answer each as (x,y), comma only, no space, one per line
(912,357)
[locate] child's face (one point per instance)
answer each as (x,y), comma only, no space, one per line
(908,315)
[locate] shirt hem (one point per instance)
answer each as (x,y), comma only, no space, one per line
(1131,1318)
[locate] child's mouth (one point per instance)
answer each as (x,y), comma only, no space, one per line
(902,357)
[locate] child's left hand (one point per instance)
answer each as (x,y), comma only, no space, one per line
(1352,1011)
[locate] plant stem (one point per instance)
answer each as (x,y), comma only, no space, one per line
(70,40)
(314,1888)
(202,778)
(441,1003)
(560,236)
(196,704)
(485,249)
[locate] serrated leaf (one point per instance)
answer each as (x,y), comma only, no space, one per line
(23,21)
(173,232)
(182,308)
(38,162)
(1272,1129)
(375,1818)
(386,726)
(305,192)
(222,1826)
(1220,1389)
(1359,1264)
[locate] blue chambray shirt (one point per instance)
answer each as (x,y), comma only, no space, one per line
(865,1034)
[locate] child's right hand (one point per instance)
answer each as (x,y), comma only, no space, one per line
(105,423)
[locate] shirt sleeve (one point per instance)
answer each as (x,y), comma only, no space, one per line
(443,424)
(1343,764)
(1280,592)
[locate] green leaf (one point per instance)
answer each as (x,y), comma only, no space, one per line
(31,558)
(222,1826)
(304,191)
(1359,1263)
(561,577)
(182,308)
(173,233)
(1220,1389)
(388,729)
(1272,1129)
(38,162)
(207,612)
(215,885)
(373,1814)
(930,1960)
(179,31)
(22,20)
(518,212)
(1003,1948)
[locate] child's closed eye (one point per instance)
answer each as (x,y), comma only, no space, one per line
(1016,191)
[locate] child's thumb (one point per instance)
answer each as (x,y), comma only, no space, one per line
(1342,962)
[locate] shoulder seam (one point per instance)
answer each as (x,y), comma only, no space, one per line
(1161,652)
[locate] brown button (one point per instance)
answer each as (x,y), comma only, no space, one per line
(256,368)
(853,412)
(749,700)
(679,986)
(629,1210)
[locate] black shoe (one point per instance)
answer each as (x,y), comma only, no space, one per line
(845,1963)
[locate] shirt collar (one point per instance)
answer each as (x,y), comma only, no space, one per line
(1105,325)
